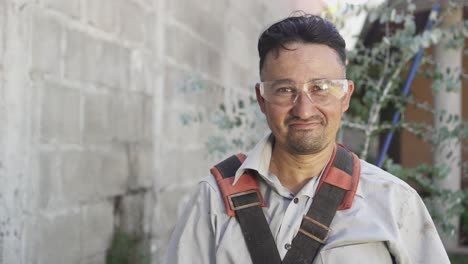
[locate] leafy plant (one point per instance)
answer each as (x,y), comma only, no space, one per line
(238,122)
(378,69)
(128,249)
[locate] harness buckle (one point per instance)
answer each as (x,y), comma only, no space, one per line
(317,223)
(235,208)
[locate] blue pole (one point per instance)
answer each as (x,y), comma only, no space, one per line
(406,87)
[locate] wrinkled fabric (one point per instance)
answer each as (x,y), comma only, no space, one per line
(387,223)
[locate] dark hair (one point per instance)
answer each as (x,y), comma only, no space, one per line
(304,28)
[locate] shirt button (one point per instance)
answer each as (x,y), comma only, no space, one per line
(287,246)
(296,200)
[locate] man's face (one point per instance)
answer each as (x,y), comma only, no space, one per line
(307,126)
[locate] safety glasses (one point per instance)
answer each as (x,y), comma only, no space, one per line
(320,91)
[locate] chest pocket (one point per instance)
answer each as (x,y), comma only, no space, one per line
(375,252)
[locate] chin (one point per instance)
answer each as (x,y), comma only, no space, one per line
(304,147)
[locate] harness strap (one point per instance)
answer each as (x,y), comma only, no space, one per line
(245,203)
(336,182)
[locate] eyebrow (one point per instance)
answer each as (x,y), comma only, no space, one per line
(283,81)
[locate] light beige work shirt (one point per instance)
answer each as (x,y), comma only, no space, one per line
(387,223)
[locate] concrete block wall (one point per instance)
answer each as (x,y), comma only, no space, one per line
(91,94)
(77,128)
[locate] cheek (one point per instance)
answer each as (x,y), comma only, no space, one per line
(276,115)
(332,113)
(334,116)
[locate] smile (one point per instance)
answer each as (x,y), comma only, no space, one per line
(306,125)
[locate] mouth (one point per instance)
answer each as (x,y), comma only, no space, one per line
(305,125)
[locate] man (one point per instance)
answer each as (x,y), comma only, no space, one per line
(303,94)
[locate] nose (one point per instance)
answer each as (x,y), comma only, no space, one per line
(304,106)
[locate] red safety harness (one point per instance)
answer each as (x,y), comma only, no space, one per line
(244,200)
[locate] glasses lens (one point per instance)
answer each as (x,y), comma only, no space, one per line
(320,91)
(279,93)
(326,88)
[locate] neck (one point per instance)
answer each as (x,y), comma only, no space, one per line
(294,171)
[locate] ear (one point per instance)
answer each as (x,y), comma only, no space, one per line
(260,99)
(347,96)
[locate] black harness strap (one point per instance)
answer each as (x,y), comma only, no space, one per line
(249,213)
(314,228)
(256,232)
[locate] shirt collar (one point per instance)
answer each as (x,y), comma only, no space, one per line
(258,159)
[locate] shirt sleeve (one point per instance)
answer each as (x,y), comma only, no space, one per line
(193,239)
(418,240)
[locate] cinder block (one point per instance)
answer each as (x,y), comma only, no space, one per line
(48,187)
(184,123)
(2,30)
(118,118)
(113,174)
(132,214)
(203,21)
(148,119)
(143,72)
(90,175)
(192,89)
(97,121)
(96,259)
(285,8)
(127,115)
(90,60)
(60,114)
(152,23)
(240,78)
(81,56)
(246,8)
(113,66)
(209,61)
(215,6)
(179,134)
(196,165)
(149,203)
(133,27)
(241,47)
(97,228)
(78,172)
(180,45)
(141,166)
(56,239)
(46,48)
(180,82)
(4,128)
(149,4)
(71,8)
(241,35)
(103,14)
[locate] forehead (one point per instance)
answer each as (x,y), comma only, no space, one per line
(302,61)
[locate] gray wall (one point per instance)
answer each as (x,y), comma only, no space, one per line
(90,101)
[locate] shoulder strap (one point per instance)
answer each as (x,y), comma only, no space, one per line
(335,191)
(244,200)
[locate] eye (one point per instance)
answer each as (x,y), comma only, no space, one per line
(285,90)
(317,87)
